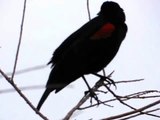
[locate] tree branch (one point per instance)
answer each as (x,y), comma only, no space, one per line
(134,111)
(88,10)
(22,95)
(20,39)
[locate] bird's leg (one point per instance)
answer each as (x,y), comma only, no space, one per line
(89,88)
(90,91)
(86,82)
(107,79)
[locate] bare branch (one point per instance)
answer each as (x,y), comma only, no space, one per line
(127,81)
(138,114)
(10,80)
(118,98)
(88,10)
(20,39)
(69,114)
(83,100)
(26,70)
(22,95)
(34,87)
(137,95)
(134,111)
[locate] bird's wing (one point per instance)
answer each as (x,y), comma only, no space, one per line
(85,31)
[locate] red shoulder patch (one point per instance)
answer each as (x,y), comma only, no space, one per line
(104,32)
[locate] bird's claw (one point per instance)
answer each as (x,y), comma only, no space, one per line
(109,81)
(92,94)
(106,79)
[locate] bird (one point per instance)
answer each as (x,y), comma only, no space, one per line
(88,50)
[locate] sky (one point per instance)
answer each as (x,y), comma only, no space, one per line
(47,24)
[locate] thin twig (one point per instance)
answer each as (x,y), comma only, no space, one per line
(83,100)
(127,81)
(118,98)
(20,39)
(88,10)
(70,86)
(26,70)
(138,114)
(34,87)
(22,95)
(127,97)
(69,114)
(10,80)
(134,111)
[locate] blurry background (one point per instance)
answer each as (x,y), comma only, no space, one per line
(47,24)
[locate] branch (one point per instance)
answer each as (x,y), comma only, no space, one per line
(138,114)
(83,100)
(138,95)
(69,114)
(134,111)
(88,10)
(34,87)
(20,39)
(26,70)
(119,98)
(22,95)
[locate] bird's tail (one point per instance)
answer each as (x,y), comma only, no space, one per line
(43,98)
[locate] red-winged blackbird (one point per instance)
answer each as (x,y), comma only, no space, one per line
(88,50)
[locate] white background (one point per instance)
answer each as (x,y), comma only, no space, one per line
(47,24)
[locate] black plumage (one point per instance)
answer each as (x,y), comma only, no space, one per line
(88,50)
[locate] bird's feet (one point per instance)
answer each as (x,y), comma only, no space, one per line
(106,79)
(92,95)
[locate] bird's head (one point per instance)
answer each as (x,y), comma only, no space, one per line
(112,11)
